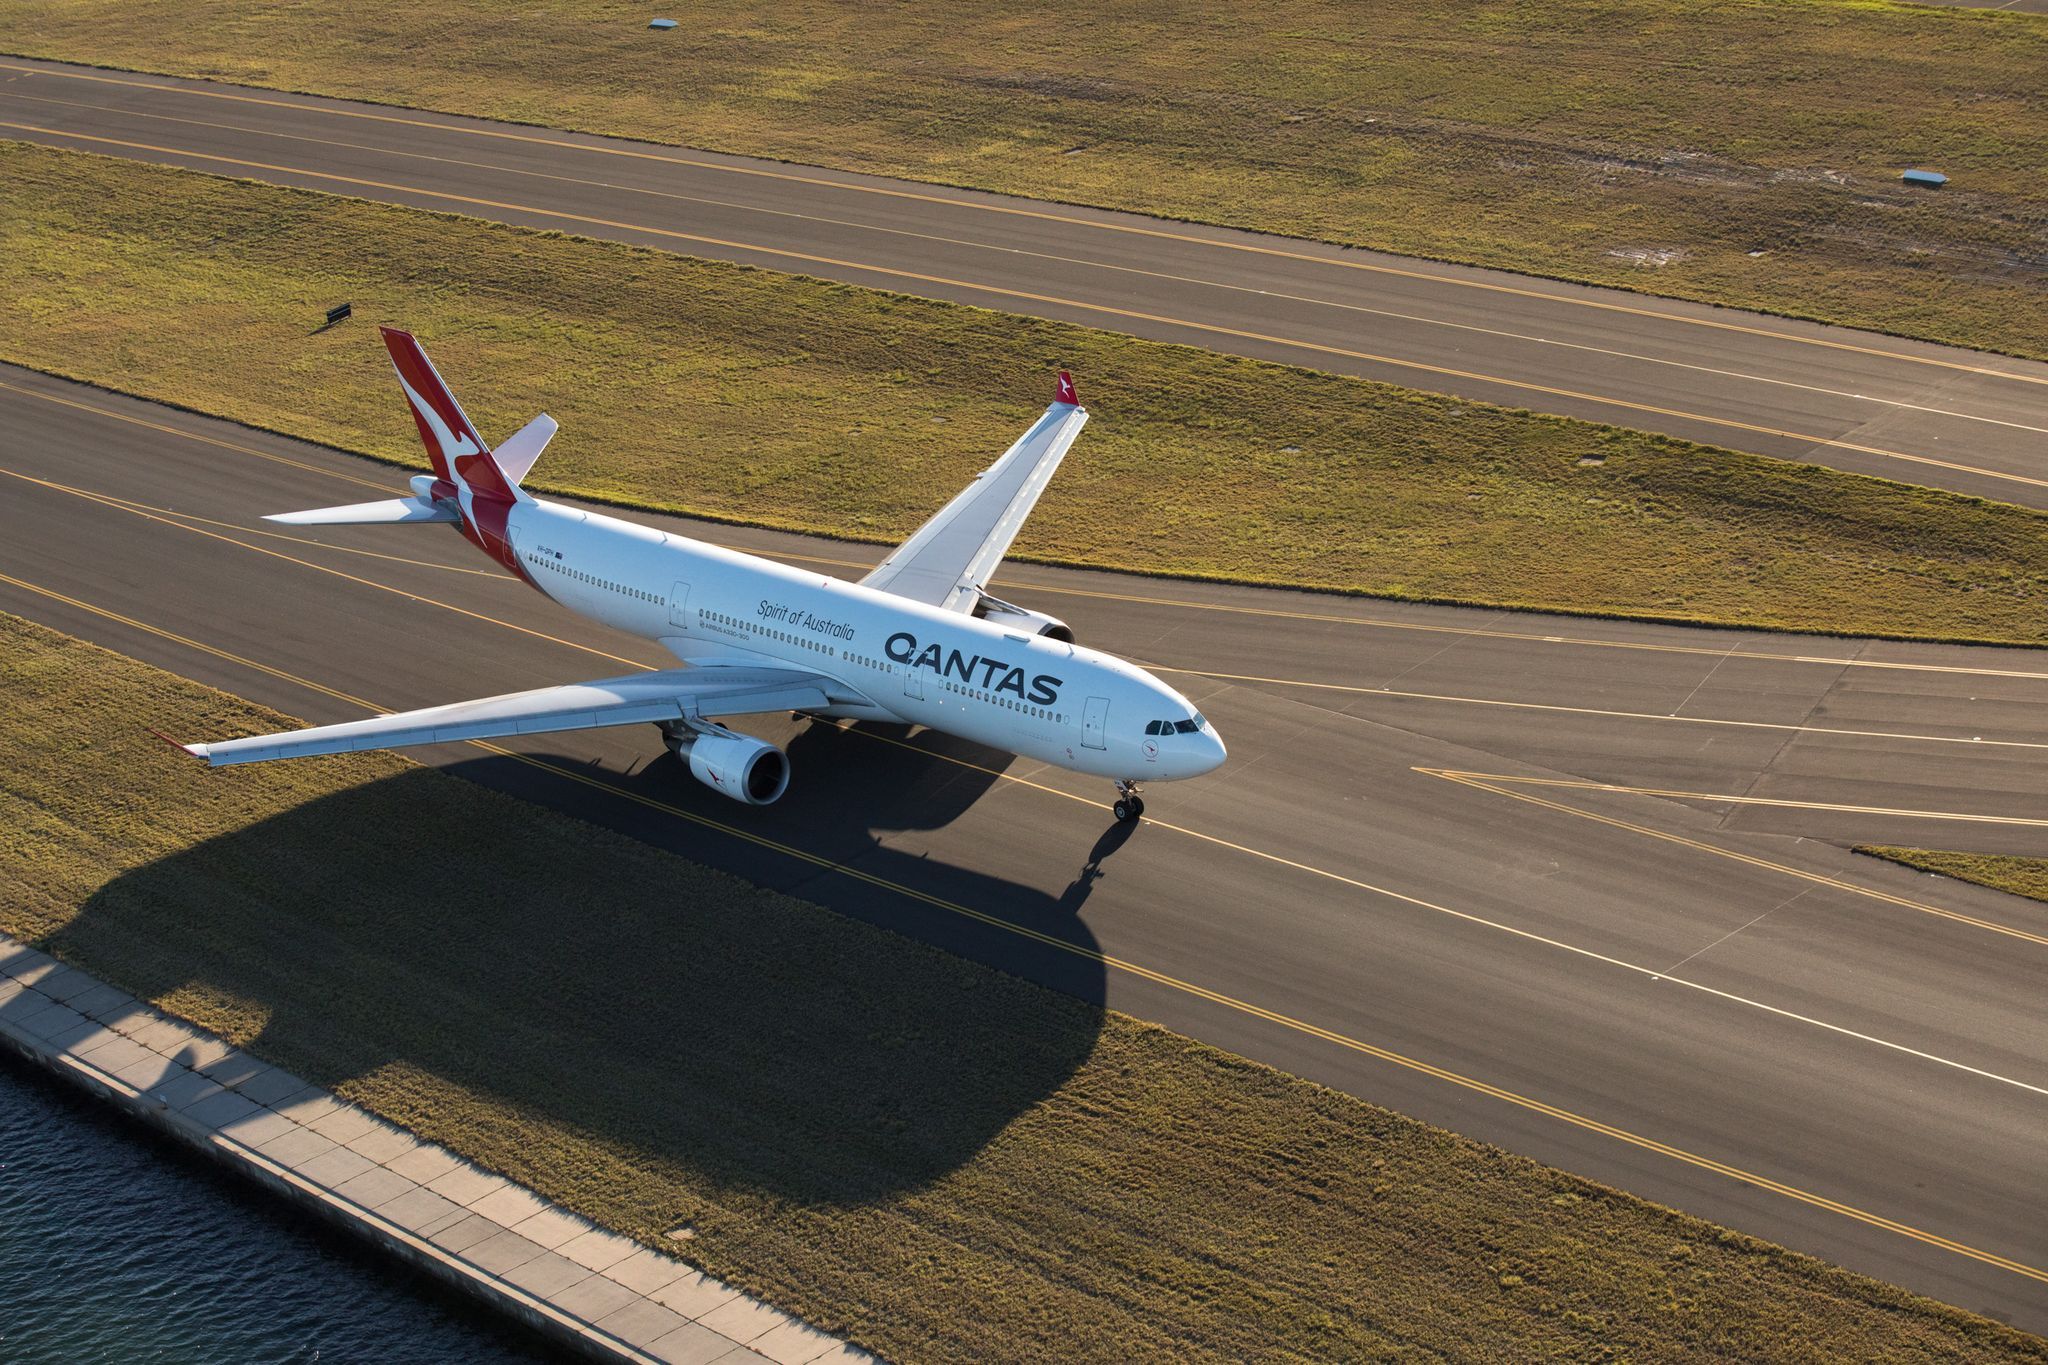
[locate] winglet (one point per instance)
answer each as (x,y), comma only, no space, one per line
(1066,394)
(195,750)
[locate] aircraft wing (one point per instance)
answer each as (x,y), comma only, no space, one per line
(950,558)
(670,694)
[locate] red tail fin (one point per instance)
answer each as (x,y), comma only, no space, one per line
(445,428)
(461,459)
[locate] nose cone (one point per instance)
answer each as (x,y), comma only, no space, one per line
(1209,752)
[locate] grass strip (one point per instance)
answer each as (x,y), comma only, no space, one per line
(751,395)
(1742,152)
(946,1162)
(2001,872)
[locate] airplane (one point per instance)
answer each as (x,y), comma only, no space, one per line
(920,640)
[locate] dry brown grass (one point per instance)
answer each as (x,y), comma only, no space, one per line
(1573,138)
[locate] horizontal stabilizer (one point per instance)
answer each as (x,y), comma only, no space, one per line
(516,454)
(391,511)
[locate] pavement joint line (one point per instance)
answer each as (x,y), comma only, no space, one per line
(1051,300)
(1057,259)
(201,437)
(361,1212)
(327,105)
(1725,799)
(116,504)
(1472,780)
(130,504)
(1369,622)
(1344,1041)
(1975,740)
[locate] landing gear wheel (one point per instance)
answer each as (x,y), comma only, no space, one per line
(1129,805)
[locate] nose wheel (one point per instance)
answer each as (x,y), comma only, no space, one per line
(1129,805)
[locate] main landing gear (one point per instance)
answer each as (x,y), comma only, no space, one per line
(1129,805)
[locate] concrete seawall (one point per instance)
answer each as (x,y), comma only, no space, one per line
(593,1291)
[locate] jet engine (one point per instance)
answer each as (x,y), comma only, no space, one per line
(751,771)
(1013,617)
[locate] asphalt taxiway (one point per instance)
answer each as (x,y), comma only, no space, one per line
(1576,887)
(1881,405)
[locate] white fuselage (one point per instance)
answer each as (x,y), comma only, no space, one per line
(895,659)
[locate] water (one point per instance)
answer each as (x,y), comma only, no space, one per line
(116,1245)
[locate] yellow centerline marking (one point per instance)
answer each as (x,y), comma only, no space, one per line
(1132,968)
(1243,849)
(136,511)
(1050,300)
(1601,711)
(238,448)
(1044,215)
(1820,879)
(1726,799)
(886,231)
(1140,599)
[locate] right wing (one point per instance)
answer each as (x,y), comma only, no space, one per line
(669,694)
(950,558)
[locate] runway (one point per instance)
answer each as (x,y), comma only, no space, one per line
(1708,1002)
(1881,405)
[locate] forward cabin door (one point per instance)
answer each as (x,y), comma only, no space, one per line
(1095,724)
(679,605)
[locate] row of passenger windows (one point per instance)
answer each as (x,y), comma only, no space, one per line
(879,665)
(767,633)
(1175,727)
(1007,703)
(594,581)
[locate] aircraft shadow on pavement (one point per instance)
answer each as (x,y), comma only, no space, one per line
(604,987)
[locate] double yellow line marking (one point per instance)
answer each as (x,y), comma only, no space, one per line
(1046,300)
(1059,944)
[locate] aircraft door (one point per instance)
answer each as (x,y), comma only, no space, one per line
(679,605)
(913,684)
(1095,724)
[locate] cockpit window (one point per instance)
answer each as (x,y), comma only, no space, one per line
(1190,725)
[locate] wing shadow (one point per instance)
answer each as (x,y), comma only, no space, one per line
(603,986)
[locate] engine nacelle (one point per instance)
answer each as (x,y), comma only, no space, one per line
(751,771)
(1013,617)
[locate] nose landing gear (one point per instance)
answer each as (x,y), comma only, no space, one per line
(1129,805)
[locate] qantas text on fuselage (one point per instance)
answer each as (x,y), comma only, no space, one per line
(918,640)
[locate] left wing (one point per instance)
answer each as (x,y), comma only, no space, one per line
(670,694)
(952,556)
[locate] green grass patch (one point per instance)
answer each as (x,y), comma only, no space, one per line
(946,1162)
(2000,872)
(753,395)
(1642,143)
